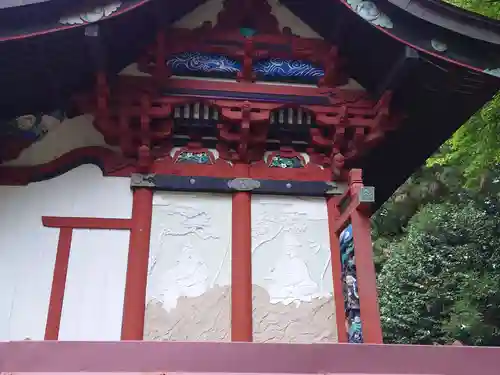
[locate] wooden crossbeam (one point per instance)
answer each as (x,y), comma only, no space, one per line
(228,185)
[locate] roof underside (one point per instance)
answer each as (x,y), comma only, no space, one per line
(436,91)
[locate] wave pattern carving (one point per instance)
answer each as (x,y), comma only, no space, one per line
(196,62)
(275,67)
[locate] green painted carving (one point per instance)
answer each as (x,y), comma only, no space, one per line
(193,158)
(282,162)
(247,32)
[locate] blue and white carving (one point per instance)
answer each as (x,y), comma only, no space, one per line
(281,68)
(439,46)
(369,11)
(350,286)
(93,15)
(32,126)
(189,63)
(493,72)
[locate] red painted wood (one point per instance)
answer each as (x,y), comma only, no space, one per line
(231,358)
(110,162)
(365,267)
(220,168)
(115,165)
(343,219)
(58,285)
(258,12)
(338,290)
(127,84)
(241,265)
(86,223)
(137,268)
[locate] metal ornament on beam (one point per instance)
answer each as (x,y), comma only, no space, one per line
(367,194)
(138,180)
(230,185)
(361,201)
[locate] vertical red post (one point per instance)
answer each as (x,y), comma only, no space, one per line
(365,267)
(137,269)
(58,284)
(333,214)
(241,264)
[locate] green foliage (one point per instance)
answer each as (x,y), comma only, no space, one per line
(489,8)
(475,147)
(441,281)
(437,240)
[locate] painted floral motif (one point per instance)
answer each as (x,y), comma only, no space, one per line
(94,15)
(368,10)
(193,158)
(282,162)
(275,67)
(191,62)
(349,278)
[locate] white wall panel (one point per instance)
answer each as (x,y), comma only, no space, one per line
(291,270)
(95,285)
(28,250)
(189,276)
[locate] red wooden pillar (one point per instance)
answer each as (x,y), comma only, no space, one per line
(137,270)
(241,263)
(58,284)
(365,267)
(333,214)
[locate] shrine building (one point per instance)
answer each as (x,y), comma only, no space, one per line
(186,186)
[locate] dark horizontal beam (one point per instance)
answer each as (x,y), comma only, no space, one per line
(263,97)
(231,185)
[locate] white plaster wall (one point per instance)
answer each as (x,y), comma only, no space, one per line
(61,138)
(291,270)
(189,276)
(28,250)
(207,11)
(95,285)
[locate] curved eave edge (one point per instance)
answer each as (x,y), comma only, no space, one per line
(108,161)
(384,24)
(19,3)
(124,7)
(452,18)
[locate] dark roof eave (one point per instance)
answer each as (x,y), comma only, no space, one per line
(452,18)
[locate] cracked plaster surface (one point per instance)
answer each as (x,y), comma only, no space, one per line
(189,276)
(291,271)
(203,318)
(306,323)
